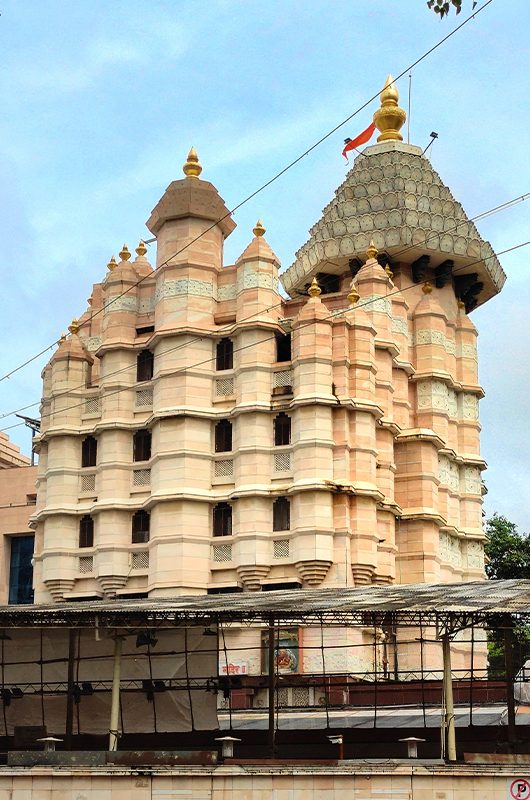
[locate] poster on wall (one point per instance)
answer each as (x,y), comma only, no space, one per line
(287,652)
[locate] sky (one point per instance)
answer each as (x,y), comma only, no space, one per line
(101,101)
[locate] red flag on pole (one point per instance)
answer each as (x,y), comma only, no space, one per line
(362,138)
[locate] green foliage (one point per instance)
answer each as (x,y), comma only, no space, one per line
(442,7)
(508,556)
(507,550)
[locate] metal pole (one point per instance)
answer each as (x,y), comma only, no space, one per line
(448,699)
(70,689)
(272,687)
(508,668)
(115,700)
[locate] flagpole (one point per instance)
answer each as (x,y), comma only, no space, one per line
(408,115)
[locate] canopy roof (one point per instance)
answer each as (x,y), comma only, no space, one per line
(448,606)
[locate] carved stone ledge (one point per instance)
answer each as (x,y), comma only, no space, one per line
(313,571)
(58,587)
(252,575)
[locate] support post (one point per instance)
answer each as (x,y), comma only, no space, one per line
(449,721)
(115,699)
(508,668)
(272,688)
(70,689)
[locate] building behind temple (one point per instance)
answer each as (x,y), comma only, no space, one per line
(202,433)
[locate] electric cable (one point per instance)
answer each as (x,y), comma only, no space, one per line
(276,176)
(228,327)
(333,314)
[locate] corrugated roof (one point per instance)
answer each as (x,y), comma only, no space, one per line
(405,603)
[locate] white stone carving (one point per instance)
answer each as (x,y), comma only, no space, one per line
(469,406)
(400,325)
(376,302)
(125,302)
(183,286)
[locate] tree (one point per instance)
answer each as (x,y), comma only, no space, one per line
(507,550)
(442,7)
(508,556)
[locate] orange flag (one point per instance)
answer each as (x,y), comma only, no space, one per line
(362,138)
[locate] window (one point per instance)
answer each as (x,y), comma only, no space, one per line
(282,429)
(86,532)
(21,570)
(222,519)
(31,499)
(283,347)
(225,354)
(140,527)
(145,329)
(223,436)
(144,365)
(281,514)
(89,452)
(142,445)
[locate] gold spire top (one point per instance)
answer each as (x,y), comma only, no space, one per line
(390,117)
(63,338)
(314,290)
(112,263)
(353,296)
(389,271)
(372,250)
(124,254)
(89,301)
(74,326)
(192,168)
(427,287)
(258,229)
(141,250)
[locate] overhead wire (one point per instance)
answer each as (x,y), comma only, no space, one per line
(333,314)
(275,177)
(229,326)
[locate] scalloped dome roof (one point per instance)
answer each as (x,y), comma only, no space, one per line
(393,196)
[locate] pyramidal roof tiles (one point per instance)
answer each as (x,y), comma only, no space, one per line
(393,196)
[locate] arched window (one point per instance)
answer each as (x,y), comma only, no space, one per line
(283,347)
(140,527)
(144,365)
(222,519)
(86,531)
(223,436)
(282,429)
(142,445)
(224,354)
(89,451)
(281,514)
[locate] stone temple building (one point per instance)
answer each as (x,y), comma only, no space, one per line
(203,431)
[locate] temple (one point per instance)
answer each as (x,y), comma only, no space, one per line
(204,433)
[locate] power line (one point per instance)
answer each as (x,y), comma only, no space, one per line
(434,234)
(271,180)
(333,314)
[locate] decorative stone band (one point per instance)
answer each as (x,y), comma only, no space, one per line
(247,279)
(121,303)
(376,302)
(432,337)
(461,553)
(91,343)
(436,395)
(460,479)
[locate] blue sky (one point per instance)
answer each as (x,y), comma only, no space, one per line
(101,101)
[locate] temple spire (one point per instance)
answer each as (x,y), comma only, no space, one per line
(390,117)
(192,168)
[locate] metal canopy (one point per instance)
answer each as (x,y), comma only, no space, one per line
(448,606)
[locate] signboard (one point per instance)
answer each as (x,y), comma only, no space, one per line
(233,667)
(519,789)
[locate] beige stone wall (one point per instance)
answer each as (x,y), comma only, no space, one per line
(356,781)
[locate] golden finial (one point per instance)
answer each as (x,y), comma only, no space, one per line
(192,168)
(389,271)
(124,254)
(314,290)
(427,287)
(74,326)
(63,338)
(258,230)
(461,303)
(112,263)
(141,250)
(89,301)
(390,117)
(353,296)
(372,250)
